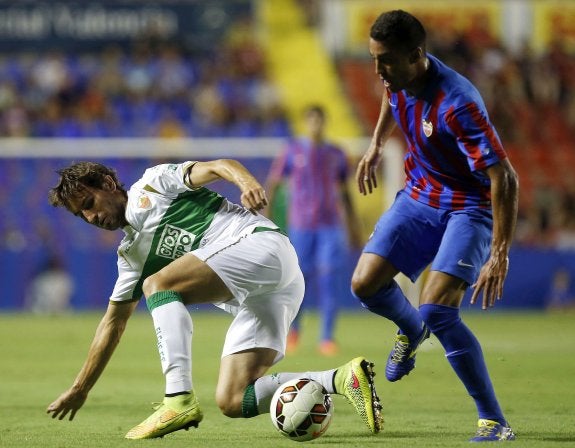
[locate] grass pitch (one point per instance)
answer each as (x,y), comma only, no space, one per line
(531,358)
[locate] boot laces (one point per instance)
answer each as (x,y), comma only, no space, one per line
(400,351)
(486,430)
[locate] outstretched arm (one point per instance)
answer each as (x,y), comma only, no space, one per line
(106,339)
(365,174)
(504,199)
(253,195)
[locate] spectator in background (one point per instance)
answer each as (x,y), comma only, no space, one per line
(51,289)
(147,90)
(322,222)
(565,235)
(560,295)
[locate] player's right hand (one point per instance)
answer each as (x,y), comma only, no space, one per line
(67,403)
(253,197)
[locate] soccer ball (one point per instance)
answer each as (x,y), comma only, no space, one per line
(301,409)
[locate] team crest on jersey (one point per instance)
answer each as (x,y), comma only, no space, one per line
(427,128)
(174,242)
(144,202)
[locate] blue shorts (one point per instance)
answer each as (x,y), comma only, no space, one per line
(324,249)
(411,235)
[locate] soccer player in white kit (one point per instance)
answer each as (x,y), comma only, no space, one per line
(185,244)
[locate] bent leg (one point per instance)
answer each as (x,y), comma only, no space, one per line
(245,391)
(184,281)
(440,311)
(173,326)
(240,393)
(191,278)
(332,253)
(235,395)
(373,285)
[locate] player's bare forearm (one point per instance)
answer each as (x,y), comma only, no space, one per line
(504,197)
(106,339)
(253,195)
(351,219)
(365,174)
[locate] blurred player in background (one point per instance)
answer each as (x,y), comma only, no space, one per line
(51,289)
(322,223)
(457,211)
(185,244)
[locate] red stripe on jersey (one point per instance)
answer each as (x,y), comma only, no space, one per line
(482,124)
(458,163)
(409,167)
(404,123)
(473,151)
(435,193)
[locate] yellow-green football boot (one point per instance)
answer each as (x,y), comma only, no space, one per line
(173,414)
(492,431)
(355,381)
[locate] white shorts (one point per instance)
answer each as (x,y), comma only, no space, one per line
(262,272)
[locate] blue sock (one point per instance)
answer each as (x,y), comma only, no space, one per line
(390,302)
(329,293)
(465,356)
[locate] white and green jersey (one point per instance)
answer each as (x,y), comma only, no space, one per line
(167,219)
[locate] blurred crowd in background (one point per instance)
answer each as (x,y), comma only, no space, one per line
(531,100)
(158,88)
(163,88)
(155,88)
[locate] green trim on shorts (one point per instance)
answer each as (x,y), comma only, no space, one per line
(249,402)
(269,229)
(161,298)
(121,302)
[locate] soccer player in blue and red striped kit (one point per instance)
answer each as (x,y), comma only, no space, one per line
(322,223)
(457,211)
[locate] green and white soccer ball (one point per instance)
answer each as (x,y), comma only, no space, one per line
(301,410)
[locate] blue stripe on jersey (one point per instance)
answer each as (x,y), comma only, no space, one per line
(450,141)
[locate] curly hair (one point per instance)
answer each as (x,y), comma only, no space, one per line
(77,176)
(400,28)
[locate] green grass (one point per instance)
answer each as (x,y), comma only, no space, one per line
(531,358)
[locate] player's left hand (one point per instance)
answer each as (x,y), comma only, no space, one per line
(490,281)
(365,174)
(67,403)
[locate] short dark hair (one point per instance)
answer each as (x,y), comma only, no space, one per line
(399,27)
(315,109)
(74,177)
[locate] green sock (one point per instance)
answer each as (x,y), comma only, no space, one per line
(249,403)
(161,298)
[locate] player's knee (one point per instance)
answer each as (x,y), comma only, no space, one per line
(230,404)
(361,287)
(153,284)
(148,286)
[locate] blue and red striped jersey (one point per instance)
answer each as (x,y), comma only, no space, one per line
(450,141)
(315,175)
